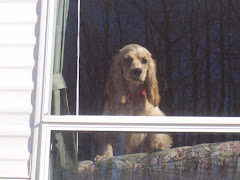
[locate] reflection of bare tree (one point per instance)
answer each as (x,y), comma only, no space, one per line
(146,22)
(168,56)
(106,8)
(234,4)
(208,66)
(196,45)
(117,11)
(222,58)
(193,51)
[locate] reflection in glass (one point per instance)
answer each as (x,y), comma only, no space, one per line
(195,44)
(192,156)
(196,48)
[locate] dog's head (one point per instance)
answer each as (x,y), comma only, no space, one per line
(133,65)
(134,60)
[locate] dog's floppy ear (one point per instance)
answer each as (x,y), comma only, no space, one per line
(151,83)
(115,86)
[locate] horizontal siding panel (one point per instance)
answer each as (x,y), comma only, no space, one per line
(14,169)
(17,34)
(14,149)
(16,1)
(13,179)
(17,56)
(18,52)
(12,12)
(15,125)
(16,101)
(17,79)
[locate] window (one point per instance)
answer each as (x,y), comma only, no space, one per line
(191,56)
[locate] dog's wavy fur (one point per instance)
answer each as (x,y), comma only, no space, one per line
(132,89)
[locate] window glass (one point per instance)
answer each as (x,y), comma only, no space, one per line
(192,156)
(195,45)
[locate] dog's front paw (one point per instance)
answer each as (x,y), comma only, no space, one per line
(161,142)
(161,146)
(107,154)
(98,158)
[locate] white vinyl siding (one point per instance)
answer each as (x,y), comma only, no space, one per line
(18,60)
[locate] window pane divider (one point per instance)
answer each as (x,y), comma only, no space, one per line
(143,123)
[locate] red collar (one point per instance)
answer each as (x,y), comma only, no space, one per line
(132,96)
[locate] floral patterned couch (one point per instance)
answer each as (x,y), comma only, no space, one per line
(204,161)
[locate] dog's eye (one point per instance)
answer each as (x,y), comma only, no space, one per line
(128,60)
(144,61)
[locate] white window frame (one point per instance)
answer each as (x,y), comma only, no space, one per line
(45,123)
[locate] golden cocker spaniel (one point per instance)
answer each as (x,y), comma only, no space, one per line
(132,89)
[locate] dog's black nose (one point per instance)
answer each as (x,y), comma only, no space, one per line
(137,72)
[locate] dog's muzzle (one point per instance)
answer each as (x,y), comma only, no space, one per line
(137,72)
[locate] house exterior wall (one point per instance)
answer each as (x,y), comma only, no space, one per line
(19,29)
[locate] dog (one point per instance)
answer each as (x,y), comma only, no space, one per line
(132,89)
